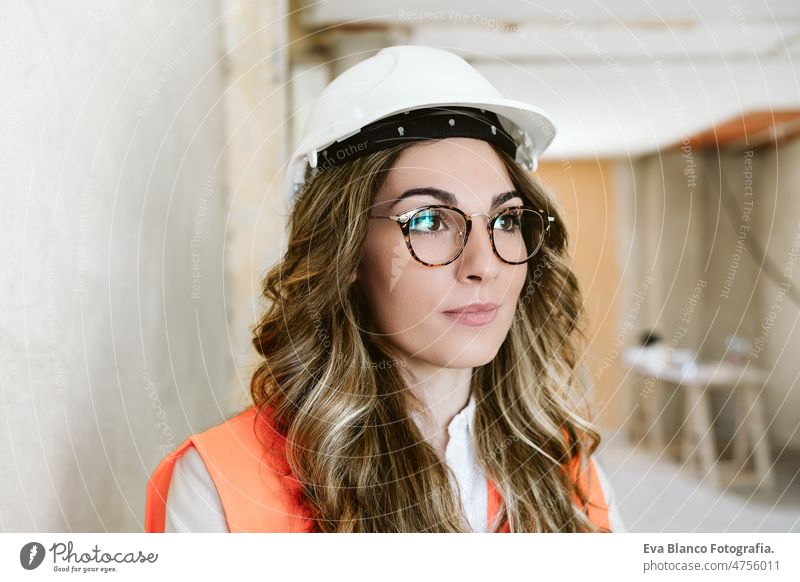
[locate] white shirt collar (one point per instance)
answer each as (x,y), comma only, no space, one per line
(468,412)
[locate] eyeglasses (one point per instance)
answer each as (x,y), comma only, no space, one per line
(437,234)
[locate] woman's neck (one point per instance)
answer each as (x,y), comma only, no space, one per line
(444,392)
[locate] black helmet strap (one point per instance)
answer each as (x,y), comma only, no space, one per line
(417,125)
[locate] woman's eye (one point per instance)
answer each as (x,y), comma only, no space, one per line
(508,222)
(428,221)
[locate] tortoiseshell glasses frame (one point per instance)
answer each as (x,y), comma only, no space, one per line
(403,220)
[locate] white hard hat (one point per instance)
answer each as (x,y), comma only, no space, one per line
(404,78)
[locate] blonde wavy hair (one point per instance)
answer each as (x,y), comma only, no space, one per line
(339,401)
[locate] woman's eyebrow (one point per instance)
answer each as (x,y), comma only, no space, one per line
(449,198)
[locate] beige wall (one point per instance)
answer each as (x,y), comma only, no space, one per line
(256,151)
(683,236)
(773,316)
(586,191)
(112,333)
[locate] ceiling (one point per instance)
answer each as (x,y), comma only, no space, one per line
(618,78)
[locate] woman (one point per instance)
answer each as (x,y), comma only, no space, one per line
(420,348)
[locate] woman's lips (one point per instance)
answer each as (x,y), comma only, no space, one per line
(472,318)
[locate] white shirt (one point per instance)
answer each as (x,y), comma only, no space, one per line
(460,456)
(193,504)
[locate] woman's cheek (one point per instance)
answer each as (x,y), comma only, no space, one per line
(517,283)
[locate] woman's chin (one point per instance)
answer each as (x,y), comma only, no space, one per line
(469,355)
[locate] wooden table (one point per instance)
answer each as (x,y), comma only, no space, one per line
(697,438)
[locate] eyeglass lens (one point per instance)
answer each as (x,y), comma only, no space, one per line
(437,234)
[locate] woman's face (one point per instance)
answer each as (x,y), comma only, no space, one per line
(409,301)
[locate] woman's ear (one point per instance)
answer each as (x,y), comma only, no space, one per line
(357,272)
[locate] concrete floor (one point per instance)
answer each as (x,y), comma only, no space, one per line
(657,493)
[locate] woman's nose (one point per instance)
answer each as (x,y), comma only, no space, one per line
(478,258)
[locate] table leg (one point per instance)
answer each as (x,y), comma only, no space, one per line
(740,438)
(650,408)
(701,428)
(758,435)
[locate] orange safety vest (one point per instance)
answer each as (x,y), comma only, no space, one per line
(259,496)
